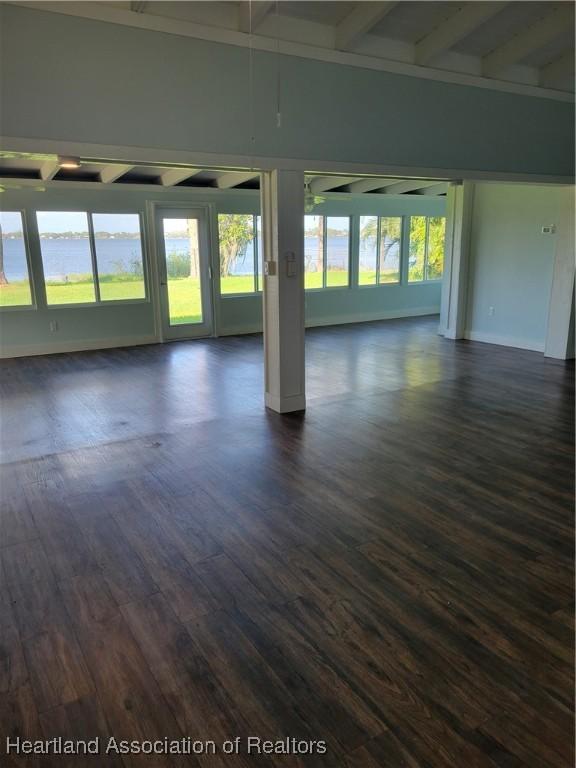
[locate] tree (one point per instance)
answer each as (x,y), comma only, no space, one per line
(390,233)
(3,278)
(417,248)
(193,247)
(370,230)
(235,231)
(317,230)
(320,250)
(436,238)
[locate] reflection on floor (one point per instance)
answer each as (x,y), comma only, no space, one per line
(391,572)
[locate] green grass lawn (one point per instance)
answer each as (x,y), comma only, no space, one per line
(183,292)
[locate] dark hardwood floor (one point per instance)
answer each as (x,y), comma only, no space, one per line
(391,573)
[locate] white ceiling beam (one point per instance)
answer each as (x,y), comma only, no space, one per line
(531,39)
(175,175)
(110,173)
(369,185)
(454,29)
(557,71)
(49,170)
(435,189)
(362,19)
(110,13)
(260,10)
(410,185)
(326,183)
(229,180)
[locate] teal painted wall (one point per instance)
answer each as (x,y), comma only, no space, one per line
(28,330)
(512,263)
(74,79)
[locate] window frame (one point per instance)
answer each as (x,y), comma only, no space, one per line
(426,279)
(27,253)
(324,286)
(377,283)
(99,302)
(256,291)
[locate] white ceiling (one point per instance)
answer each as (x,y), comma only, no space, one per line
(512,42)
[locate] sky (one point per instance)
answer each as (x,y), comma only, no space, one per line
(10,221)
(60,221)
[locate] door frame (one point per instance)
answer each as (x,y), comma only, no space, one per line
(154,208)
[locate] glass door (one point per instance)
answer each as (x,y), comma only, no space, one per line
(185,295)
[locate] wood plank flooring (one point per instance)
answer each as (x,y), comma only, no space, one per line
(391,573)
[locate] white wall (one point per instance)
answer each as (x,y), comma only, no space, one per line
(512,264)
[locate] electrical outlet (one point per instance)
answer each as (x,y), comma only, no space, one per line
(491,311)
(53,326)
(549,229)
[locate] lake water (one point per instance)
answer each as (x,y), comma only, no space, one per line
(69,257)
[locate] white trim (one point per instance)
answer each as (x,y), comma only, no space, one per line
(106,13)
(443,37)
(361,20)
(527,40)
(157,156)
(288,404)
(504,341)
(31,350)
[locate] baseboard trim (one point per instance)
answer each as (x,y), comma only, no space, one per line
(504,341)
(34,350)
(240,331)
(365,317)
(290,404)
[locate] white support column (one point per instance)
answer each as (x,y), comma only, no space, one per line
(560,332)
(282,196)
(456,260)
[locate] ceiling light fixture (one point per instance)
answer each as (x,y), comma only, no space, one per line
(66,161)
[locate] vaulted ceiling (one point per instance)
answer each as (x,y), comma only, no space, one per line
(527,43)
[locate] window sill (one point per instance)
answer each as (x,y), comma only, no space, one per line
(19,308)
(98,304)
(379,285)
(246,295)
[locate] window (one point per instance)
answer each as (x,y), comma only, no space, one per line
(337,251)
(67,258)
(368,251)
(426,253)
(14,276)
(78,247)
(390,247)
(260,254)
(380,250)
(119,256)
(326,251)
(436,237)
(313,251)
(182,252)
(239,259)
